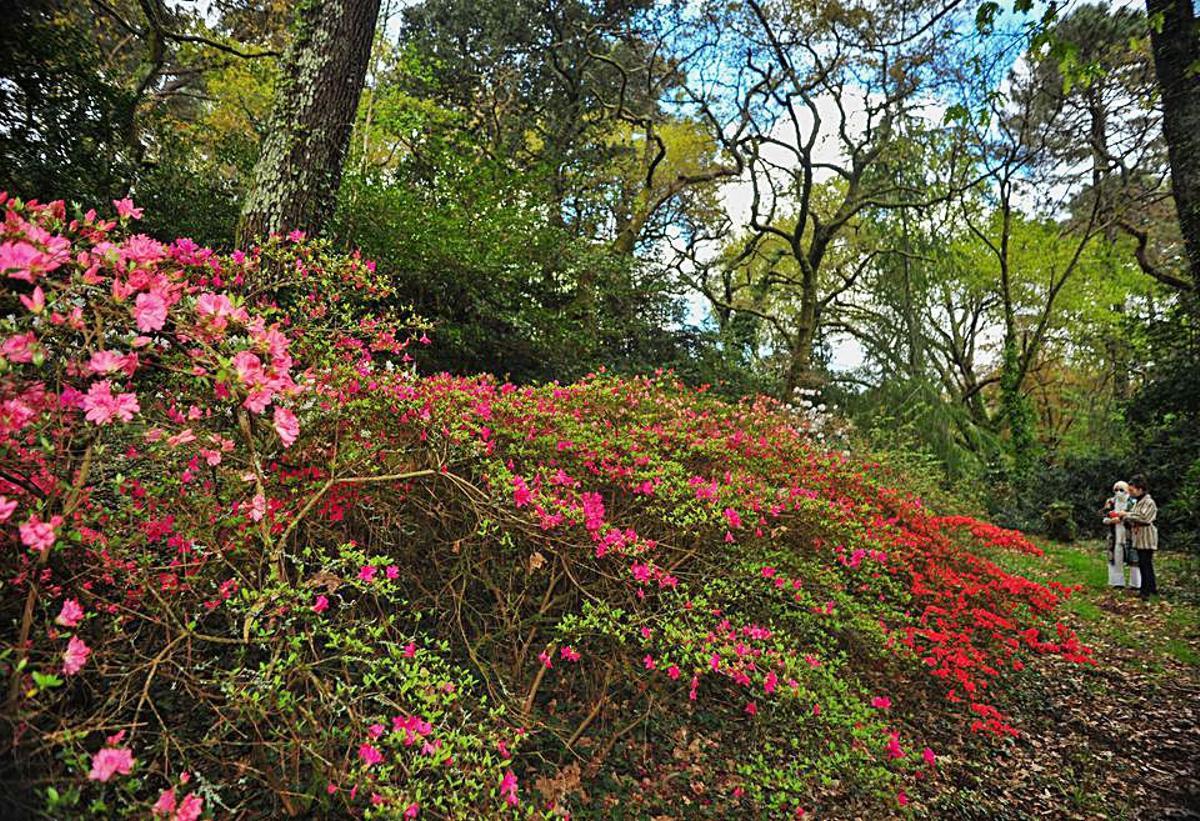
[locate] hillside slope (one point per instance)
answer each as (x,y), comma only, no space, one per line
(258,565)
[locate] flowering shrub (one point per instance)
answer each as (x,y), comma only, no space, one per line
(255,564)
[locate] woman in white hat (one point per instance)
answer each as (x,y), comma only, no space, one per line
(1119,539)
(1139,520)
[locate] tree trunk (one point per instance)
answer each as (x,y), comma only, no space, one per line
(1176,47)
(1018,411)
(321,77)
(800,373)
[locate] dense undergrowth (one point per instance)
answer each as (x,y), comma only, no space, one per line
(254,564)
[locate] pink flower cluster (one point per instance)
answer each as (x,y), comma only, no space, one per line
(101,405)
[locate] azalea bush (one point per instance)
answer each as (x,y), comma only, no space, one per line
(256,564)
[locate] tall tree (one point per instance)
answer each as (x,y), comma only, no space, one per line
(1175,40)
(300,164)
(1099,87)
(817,103)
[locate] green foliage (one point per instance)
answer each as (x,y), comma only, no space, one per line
(1018,413)
(64,122)
(1058,522)
(508,290)
(913,418)
(1164,416)
(1080,483)
(203,159)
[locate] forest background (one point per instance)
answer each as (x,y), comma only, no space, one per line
(950,232)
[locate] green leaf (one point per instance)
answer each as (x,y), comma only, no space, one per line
(957,113)
(985,17)
(45,681)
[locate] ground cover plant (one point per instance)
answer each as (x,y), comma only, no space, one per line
(255,564)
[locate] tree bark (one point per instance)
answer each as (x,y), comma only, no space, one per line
(800,373)
(300,163)
(1176,47)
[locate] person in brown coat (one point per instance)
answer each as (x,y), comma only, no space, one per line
(1140,521)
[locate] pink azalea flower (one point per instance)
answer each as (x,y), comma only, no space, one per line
(125,208)
(214,305)
(412,810)
(369,755)
(106,362)
(190,808)
(258,507)
(508,788)
(36,302)
(20,260)
(70,614)
(929,756)
(321,605)
(901,798)
(881,702)
(248,367)
(392,571)
(521,492)
(286,425)
(74,657)
(257,400)
(7,506)
(410,650)
(165,805)
(751,708)
(367,573)
(375,730)
(184,437)
(216,310)
(39,535)
(109,761)
(150,312)
(101,406)
(673,672)
(19,348)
